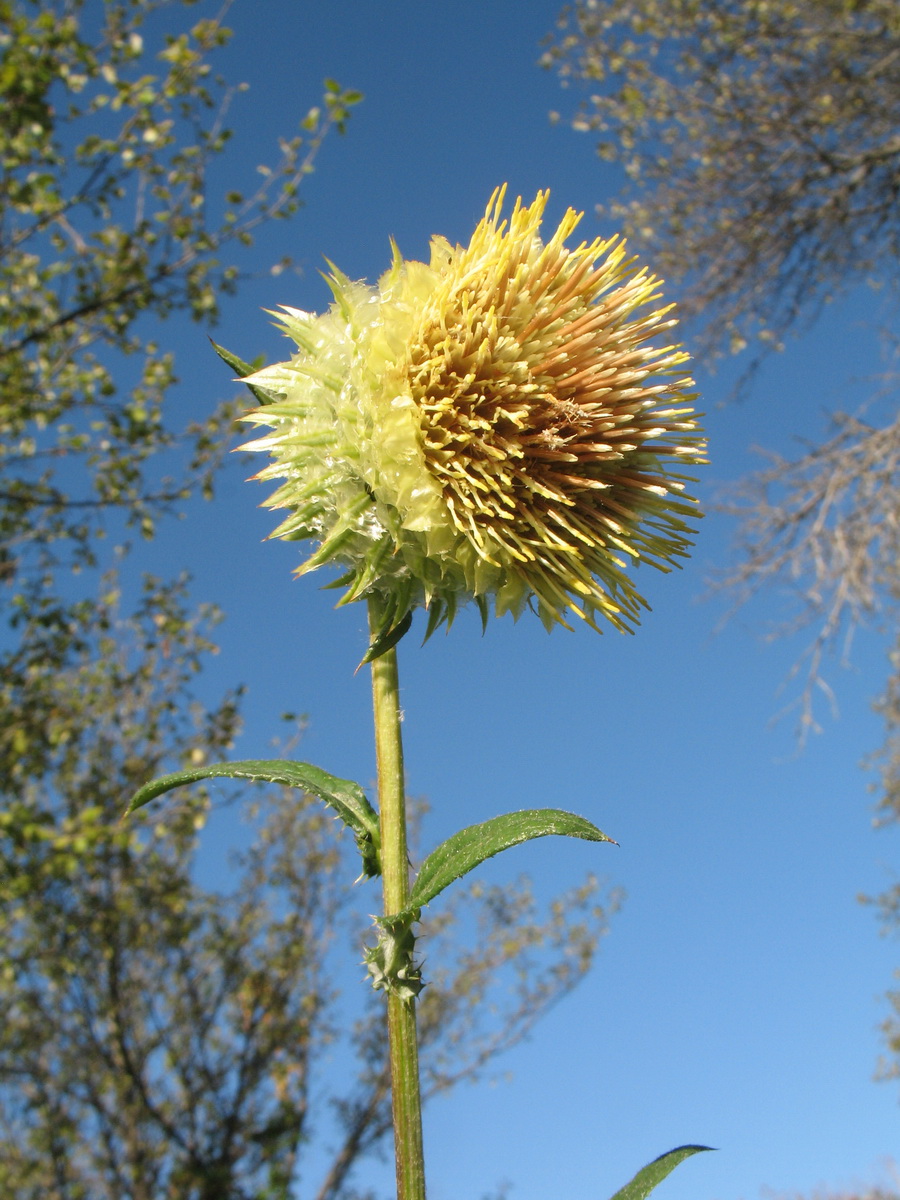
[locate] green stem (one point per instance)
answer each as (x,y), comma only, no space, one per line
(404,1050)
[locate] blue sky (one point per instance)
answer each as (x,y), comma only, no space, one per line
(736,1000)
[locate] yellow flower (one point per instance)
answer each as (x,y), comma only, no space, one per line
(496,424)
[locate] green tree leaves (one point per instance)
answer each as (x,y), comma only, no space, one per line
(106,207)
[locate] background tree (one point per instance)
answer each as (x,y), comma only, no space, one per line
(761,144)
(109,129)
(162,1039)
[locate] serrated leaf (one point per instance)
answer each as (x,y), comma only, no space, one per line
(648,1177)
(471,846)
(243,368)
(345,797)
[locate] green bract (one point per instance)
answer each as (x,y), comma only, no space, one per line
(493,425)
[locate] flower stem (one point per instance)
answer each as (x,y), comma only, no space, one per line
(404,1050)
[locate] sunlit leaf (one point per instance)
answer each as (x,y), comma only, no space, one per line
(345,797)
(648,1177)
(464,851)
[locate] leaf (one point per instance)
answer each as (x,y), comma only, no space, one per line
(471,846)
(386,640)
(648,1177)
(345,797)
(243,368)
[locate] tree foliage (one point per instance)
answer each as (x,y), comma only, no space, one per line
(159,1038)
(761,141)
(109,133)
(826,524)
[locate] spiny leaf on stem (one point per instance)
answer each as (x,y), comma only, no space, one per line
(345,797)
(655,1172)
(469,847)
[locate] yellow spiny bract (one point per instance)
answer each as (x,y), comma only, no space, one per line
(495,424)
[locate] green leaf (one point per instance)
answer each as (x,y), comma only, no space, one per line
(243,368)
(386,640)
(648,1177)
(471,846)
(345,797)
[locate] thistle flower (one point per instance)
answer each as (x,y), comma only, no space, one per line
(495,425)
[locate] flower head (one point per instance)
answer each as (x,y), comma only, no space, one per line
(498,424)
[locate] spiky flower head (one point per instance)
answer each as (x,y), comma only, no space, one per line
(508,422)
